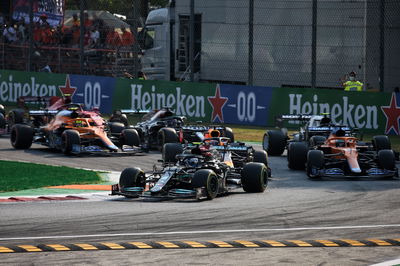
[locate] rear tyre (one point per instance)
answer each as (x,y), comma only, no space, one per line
(2,110)
(274,142)
(260,157)
(169,152)
(315,161)
(167,135)
(2,121)
(229,134)
(254,177)
(69,139)
(381,143)
(15,116)
(297,155)
(131,177)
(130,137)
(208,179)
(116,127)
(21,136)
(317,140)
(387,160)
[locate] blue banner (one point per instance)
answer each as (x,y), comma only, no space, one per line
(236,104)
(93,91)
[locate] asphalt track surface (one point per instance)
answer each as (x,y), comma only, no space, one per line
(292,208)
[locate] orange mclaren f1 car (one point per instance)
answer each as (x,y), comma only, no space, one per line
(73,130)
(343,155)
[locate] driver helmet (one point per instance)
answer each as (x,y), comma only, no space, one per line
(193,162)
(325,121)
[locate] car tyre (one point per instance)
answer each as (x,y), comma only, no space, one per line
(260,157)
(130,137)
(21,136)
(387,159)
(229,134)
(317,140)
(69,138)
(2,121)
(274,142)
(381,142)
(254,177)
(131,177)
(315,160)
(169,152)
(116,127)
(167,135)
(297,155)
(208,179)
(15,116)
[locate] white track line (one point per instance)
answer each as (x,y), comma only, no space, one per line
(205,232)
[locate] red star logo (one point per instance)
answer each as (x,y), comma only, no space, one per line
(392,114)
(67,90)
(217,103)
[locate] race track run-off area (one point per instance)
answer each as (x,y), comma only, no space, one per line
(299,221)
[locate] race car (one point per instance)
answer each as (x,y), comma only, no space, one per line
(3,122)
(162,126)
(342,155)
(73,130)
(200,172)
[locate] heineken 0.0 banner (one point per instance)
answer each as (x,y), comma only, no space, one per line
(212,103)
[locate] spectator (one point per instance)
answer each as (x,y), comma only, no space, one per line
(43,20)
(21,33)
(94,37)
(1,19)
(87,22)
(10,34)
(127,37)
(75,20)
(113,39)
(352,84)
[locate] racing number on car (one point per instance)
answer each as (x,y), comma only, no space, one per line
(246,107)
(92,94)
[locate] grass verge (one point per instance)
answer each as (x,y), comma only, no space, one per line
(18,176)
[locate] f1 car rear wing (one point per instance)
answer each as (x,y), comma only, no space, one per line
(42,112)
(134,112)
(297,119)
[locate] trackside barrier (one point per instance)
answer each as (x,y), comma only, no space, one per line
(217,103)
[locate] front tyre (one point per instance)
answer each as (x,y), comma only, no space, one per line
(274,142)
(254,177)
(208,179)
(21,136)
(130,137)
(70,138)
(315,162)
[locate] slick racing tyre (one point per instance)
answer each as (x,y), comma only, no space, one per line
(2,110)
(116,127)
(297,155)
(274,142)
(317,140)
(130,137)
(21,136)
(167,135)
(254,177)
(381,143)
(208,179)
(386,159)
(260,157)
(15,116)
(2,121)
(315,161)
(229,134)
(169,152)
(69,139)
(131,177)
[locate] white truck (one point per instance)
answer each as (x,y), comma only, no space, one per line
(282,42)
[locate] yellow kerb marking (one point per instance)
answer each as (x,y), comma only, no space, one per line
(353,242)
(86,246)
(113,245)
(380,242)
(221,244)
(30,248)
(247,244)
(194,244)
(274,243)
(140,244)
(300,243)
(58,247)
(5,250)
(168,244)
(327,243)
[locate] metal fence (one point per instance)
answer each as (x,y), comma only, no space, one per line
(297,43)
(103,44)
(285,43)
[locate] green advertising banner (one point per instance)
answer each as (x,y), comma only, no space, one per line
(16,83)
(368,111)
(186,99)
